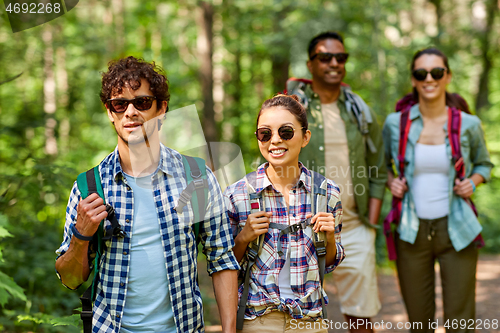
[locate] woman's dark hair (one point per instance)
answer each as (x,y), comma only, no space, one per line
(130,71)
(452,100)
(289,102)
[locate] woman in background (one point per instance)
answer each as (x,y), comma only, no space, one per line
(436,220)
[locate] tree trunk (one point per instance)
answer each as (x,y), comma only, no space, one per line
(482,101)
(49,93)
(63,100)
(119,34)
(280,67)
(281,56)
(439,15)
(205,51)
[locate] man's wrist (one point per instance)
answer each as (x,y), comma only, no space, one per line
(78,235)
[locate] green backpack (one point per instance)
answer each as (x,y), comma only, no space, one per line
(90,182)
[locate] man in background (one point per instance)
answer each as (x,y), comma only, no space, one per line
(346,146)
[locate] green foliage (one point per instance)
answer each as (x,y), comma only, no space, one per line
(8,288)
(255,42)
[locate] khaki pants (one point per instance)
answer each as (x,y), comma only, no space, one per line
(281,322)
(415,265)
(356,277)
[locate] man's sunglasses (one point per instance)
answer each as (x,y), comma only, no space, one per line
(142,103)
(285,132)
(326,57)
(437,73)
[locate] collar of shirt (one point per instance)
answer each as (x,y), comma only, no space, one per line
(311,94)
(165,155)
(263,181)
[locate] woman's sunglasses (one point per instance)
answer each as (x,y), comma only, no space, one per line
(285,132)
(326,57)
(142,103)
(437,73)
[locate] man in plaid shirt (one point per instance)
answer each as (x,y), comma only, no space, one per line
(147,279)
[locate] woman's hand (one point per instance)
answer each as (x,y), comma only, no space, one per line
(398,187)
(324,222)
(463,188)
(256,225)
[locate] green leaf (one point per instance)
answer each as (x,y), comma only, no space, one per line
(8,288)
(73,320)
(4,233)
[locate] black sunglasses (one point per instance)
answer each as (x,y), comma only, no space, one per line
(285,132)
(437,73)
(326,57)
(142,103)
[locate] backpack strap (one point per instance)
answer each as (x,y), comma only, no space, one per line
(196,177)
(354,104)
(297,87)
(319,204)
(254,248)
(454,124)
(395,214)
(361,112)
(90,182)
(454,127)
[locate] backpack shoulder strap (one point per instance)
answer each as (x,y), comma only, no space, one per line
(361,112)
(90,182)
(196,178)
(404,130)
(395,213)
(454,125)
(297,87)
(319,201)
(254,248)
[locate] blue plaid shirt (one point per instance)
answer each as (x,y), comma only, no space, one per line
(178,239)
(264,295)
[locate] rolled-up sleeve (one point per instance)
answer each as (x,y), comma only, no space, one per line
(335,207)
(479,155)
(71,214)
(386,135)
(375,161)
(216,237)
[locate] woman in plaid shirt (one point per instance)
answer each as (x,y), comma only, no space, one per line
(284,290)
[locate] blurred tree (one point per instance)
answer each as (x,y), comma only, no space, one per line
(226,57)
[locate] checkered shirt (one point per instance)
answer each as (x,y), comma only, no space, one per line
(264,295)
(178,240)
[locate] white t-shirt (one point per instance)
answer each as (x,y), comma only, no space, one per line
(430,181)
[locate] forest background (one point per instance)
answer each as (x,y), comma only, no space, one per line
(226,58)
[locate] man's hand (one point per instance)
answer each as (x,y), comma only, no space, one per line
(91,211)
(73,266)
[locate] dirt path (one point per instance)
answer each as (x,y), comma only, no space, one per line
(393,311)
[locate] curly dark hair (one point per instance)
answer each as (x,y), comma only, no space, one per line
(130,71)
